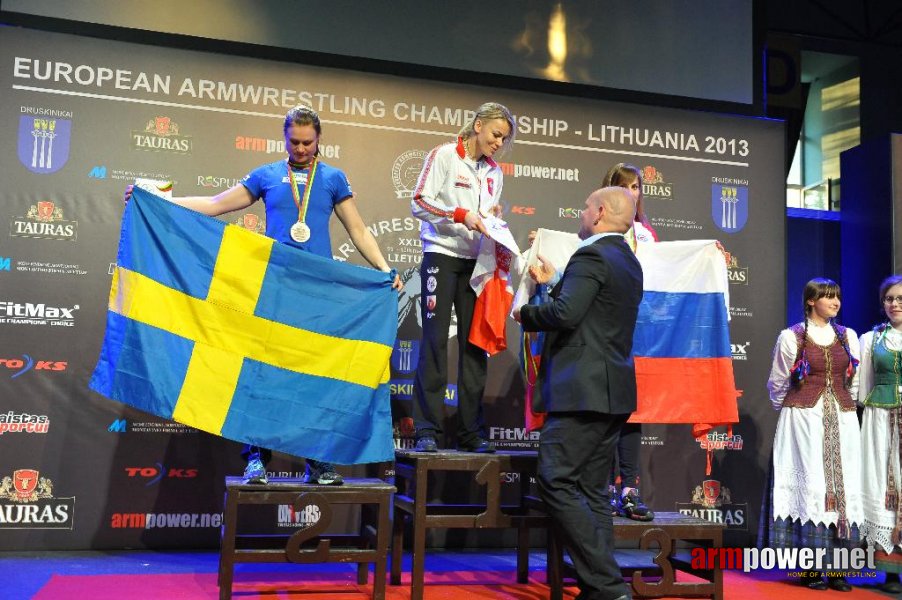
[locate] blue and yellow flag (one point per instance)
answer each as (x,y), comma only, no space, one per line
(228,331)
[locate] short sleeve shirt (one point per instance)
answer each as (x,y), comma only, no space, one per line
(271,183)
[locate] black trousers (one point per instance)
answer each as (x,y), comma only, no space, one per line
(576,451)
(446,281)
(627,462)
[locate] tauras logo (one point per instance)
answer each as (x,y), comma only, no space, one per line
(713,502)
(161,134)
(27,502)
(44,220)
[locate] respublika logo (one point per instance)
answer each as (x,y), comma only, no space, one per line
(406,170)
(569,213)
(729,203)
(214,182)
(44,220)
(19,313)
(27,502)
(44,139)
(20,366)
(712,502)
(13,422)
(161,134)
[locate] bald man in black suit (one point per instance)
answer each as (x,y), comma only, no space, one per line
(587,385)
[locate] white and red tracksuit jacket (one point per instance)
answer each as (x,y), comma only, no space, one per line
(450,185)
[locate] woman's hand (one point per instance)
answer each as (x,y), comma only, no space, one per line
(128,194)
(473,222)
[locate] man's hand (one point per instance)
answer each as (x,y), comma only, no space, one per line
(531,237)
(516,314)
(497,211)
(473,222)
(543,271)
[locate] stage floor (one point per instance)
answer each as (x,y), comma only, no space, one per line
(450,575)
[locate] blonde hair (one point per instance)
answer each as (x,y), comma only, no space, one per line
(489,112)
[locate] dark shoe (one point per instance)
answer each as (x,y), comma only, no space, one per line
(839,584)
(255,472)
(813,581)
(321,473)
(632,507)
(479,445)
(426,444)
(891,585)
(615,500)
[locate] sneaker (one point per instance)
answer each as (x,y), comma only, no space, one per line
(321,473)
(633,508)
(426,444)
(255,472)
(615,501)
(479,445)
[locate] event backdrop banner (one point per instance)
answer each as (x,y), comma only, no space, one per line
(84,117)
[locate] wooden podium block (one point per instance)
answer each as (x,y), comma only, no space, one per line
(369,546)
(412,474)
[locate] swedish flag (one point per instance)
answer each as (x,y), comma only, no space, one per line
(228,331)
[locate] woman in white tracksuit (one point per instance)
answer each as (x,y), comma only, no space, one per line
(460,185)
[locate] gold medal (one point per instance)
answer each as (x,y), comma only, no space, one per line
(300,232)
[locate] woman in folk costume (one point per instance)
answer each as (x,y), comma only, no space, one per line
(817,500)
(879,392)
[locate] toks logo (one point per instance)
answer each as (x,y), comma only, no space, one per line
(27,502)
(523,210)
(158,472)
(26,364)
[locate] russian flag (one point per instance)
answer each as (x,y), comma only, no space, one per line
(681,347)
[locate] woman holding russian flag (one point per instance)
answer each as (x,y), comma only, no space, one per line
(879,392)
(628,503)
(459,186)
(816,496)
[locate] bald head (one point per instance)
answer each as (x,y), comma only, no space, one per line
(619,209)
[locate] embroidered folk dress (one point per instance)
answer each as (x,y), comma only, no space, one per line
(879,393)
(800,485)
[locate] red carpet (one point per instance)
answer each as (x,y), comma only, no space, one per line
(439,586)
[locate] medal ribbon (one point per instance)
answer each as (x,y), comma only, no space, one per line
(302,203)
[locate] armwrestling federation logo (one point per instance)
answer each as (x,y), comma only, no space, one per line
(406,170)
(27,502)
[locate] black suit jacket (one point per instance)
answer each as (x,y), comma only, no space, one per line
(587,360)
